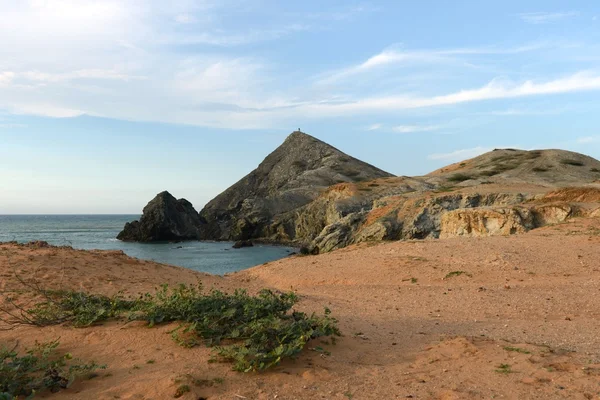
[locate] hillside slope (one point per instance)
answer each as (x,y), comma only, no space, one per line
(503,192)
(290,177)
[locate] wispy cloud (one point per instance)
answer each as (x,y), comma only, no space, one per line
(394,56)
(374,127)
(415,128)
(459,155)
(546,17)
(495,89)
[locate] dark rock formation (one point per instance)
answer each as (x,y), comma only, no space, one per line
(164,219)
(242,243)
(262,204)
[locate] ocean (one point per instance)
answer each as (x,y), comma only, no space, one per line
(99,232)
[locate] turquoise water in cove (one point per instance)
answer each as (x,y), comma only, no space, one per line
(99,232)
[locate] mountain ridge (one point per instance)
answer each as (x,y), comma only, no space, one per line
(308,193)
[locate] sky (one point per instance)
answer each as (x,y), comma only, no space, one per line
(104,103)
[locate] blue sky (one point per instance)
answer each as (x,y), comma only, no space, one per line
(104,103)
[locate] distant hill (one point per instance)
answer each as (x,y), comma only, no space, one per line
(537,167)
(290,177)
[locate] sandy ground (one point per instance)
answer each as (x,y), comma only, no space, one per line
(409,330)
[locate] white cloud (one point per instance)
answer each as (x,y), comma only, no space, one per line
(129,60)
(435,57)
(546,17)
(374,127)
(415,128)
(459,155)
(6,77)
(496,89)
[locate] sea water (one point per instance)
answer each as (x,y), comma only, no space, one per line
(99,232)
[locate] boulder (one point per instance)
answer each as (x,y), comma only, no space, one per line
(164,219)
(242,243)
(483,221)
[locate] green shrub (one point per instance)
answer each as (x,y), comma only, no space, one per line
(38,370)
(81,309)
(253,332)
(540,169)
(459,178)
(568,161)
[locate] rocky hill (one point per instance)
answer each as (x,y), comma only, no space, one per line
(501,192)
(290,177)
(510,166)
(309,193)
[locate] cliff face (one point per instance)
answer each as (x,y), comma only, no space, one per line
(259,205)
(497,193)
(164,219)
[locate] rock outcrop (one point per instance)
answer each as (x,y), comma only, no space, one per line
(262,205)
(164,219)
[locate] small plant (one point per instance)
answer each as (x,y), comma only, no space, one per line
(504,369)
(40,369)
(517,350)
(568,161)
(151,362)
(594,170)
(181,390)
(459,178)
(413,280)
(457,273)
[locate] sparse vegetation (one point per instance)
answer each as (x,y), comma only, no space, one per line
(259,330)
(40,369)
(181,390)
(540,169)
(516,349)
(457,273)
(594,170)
(504,369)
(459,178)
(443,189)
(569,161)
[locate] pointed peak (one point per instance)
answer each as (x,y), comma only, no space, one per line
(300,139)
(164,194)
(298,133)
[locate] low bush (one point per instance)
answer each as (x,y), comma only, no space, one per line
(568,161)
(459,178)
(253,332)
(40,369)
